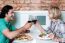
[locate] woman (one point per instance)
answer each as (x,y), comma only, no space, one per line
(56,28)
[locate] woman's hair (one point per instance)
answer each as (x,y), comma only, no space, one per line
(5,10)
(54,7)
(56,10)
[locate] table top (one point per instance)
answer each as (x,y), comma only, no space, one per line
(35,32)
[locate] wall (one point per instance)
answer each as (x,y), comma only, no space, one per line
(63,15)
(32,4)
(23,16)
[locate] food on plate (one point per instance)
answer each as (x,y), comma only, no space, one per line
(42,35)
(24,37)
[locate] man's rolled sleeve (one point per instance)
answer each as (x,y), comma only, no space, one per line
(2,27)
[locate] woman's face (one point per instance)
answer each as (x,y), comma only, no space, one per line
(54,13)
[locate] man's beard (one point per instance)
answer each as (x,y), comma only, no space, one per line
(12,18)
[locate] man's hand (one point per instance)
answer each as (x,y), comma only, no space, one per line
(37,24)
(27,26)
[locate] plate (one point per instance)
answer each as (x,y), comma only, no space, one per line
(44,38)
(24,37)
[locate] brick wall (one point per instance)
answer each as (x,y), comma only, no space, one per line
(32,4)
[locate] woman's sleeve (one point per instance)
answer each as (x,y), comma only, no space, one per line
(63,31)
(48,30)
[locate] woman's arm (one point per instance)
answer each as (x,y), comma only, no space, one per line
(62,35)
(38,25)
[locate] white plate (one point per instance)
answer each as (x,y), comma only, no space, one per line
(26,39)
(44,38)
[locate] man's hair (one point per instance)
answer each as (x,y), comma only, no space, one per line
(5,10)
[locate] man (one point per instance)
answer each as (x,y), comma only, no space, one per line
(8,31)
(56,28)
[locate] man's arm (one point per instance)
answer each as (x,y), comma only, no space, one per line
(12,34)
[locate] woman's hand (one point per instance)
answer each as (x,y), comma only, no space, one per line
(58,39)
(51,35)
(55,38)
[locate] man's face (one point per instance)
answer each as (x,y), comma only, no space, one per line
(10,14)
